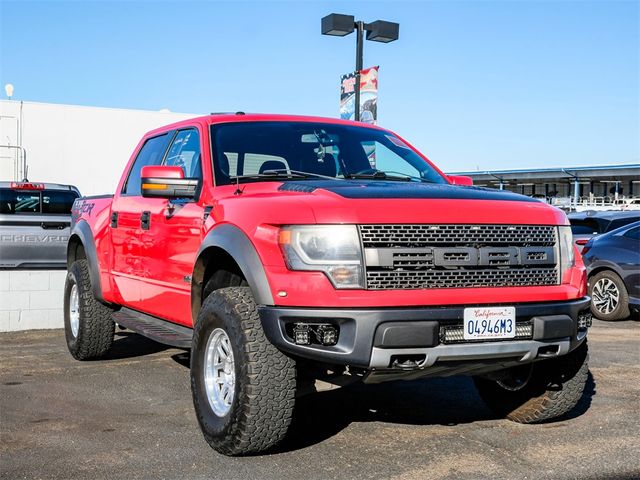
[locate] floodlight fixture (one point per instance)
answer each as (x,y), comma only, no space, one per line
(338,25)
(381,31)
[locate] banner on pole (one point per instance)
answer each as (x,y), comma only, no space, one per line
(368,95)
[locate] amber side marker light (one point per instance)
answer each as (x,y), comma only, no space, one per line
(284,237)
(154,186)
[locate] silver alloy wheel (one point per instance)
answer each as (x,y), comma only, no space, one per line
(74,310)
(219,372)
(606,296)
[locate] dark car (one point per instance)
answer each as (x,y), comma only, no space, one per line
(613,267)
(585,225)
(34,224)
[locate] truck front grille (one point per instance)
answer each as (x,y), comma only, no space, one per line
(377,280)
(459,256)
(423,235)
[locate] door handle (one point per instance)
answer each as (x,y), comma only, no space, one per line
(52,225)
(145,220)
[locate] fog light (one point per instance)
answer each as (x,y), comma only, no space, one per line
(301,334)
(584,319)
(327,335)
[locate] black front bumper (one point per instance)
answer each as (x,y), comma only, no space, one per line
(363,329)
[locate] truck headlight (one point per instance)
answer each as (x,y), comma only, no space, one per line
(332,249)
(567,256)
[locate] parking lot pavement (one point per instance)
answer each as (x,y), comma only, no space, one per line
(130,416)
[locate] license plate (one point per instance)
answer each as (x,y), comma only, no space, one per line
(483,323)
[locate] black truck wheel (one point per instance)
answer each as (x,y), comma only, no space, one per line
(87,322)
(243,387)
(540,391)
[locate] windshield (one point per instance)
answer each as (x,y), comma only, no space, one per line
(336,151)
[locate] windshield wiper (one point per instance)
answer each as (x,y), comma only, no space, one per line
(388,175)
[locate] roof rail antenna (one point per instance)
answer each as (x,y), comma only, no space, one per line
(240,113)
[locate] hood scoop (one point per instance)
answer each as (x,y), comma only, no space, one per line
(296,187)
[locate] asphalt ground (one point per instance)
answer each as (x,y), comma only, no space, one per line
(131,416)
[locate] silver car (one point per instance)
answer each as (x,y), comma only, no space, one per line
(34,224)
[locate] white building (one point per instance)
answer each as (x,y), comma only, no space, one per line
(83,146)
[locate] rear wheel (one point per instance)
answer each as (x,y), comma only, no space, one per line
(243,387)
(609,296)
(87,322)
(539,391)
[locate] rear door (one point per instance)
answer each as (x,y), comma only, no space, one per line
(34,226)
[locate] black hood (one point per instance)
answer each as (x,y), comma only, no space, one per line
(387,189)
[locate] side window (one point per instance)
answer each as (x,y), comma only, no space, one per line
(151,153)
(185,152)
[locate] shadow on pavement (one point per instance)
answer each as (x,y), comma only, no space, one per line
(130,345)
(435,401)
(182,358)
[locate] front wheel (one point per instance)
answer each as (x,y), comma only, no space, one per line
(243,387)
(540,391)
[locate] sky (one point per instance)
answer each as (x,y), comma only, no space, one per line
(475,85)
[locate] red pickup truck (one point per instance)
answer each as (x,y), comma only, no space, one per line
(283,250)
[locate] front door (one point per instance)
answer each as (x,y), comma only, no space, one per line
(171,240)
(126,220)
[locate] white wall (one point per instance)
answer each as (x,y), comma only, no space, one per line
(31,299)
(84,146)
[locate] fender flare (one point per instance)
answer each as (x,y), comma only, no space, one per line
(234,241)
(82,230)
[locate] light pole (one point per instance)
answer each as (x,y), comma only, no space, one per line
(339,25)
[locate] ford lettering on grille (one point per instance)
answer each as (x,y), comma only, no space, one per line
(459,256)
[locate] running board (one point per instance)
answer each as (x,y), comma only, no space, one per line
(154,328)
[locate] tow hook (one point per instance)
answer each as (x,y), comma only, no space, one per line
(407,362)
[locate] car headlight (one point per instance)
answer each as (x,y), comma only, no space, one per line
(567,256)
(332,249)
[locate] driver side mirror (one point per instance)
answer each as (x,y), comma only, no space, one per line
(162,181)
(460,180)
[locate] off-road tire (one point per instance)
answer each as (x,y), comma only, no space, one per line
(553,389)
(622,309)
(96,328)
(265,378)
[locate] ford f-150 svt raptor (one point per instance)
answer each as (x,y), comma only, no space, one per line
(281,249)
